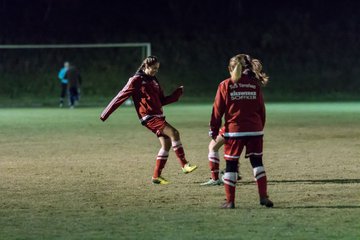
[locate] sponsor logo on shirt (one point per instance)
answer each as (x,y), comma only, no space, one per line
(233,86)
(243,95)
(247,86)
(240,85)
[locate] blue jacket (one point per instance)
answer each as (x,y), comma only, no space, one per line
(62,74)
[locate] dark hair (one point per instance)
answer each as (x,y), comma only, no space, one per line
(149,61)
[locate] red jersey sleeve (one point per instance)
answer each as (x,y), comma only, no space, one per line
(262,111)
(174,97)
(121,97)
(219,107)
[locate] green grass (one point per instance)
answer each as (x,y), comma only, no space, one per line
(67,175)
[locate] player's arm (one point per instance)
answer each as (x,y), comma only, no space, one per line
(61,74)
(262,110)
(121,97)
(218,110)
(174,97)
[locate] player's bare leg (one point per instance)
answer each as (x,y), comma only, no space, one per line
(174,135)
(214,161)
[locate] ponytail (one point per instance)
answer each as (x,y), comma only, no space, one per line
(238,64)
(257,70)
(235,69)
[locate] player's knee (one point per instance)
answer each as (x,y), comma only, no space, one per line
(231,166)
(176,134)
(167,146)
(256,161)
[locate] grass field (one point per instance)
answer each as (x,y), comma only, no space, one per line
(66,175)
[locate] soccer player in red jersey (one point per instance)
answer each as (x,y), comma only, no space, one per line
(216,144)
(239,99)
(148,97)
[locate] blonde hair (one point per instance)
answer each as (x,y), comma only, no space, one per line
(237,65)
(235,69)
(259,74)
(242,62)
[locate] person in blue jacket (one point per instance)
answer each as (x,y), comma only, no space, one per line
(63,82)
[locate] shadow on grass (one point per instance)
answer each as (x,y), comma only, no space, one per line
(304,181)
(308,181)
(315,207)
(318,181)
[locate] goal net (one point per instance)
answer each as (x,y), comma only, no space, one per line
(31,71)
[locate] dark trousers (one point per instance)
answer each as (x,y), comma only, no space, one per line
(63,90)
(74,95)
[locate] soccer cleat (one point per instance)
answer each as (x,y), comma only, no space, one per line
(227,205)
(188,168)
(266,202)
(212,182)
(160,180)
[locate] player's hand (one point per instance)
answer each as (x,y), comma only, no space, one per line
(181,90)
(178,92)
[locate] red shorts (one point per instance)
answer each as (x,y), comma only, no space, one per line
(233,147)
(157,125)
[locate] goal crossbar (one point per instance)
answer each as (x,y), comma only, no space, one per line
(147,46)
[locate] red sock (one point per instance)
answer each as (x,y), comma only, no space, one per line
(214,164)
(179,151)
(262,186)
(261,180)
(160,162)
(230,179)
(230,193)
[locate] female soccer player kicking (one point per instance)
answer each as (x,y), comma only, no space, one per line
(148,97)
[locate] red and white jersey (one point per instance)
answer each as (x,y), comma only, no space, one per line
(147,95)
(242,106)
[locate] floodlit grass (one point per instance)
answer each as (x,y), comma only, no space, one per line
(67,175)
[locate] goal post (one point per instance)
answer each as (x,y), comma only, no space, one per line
(31,69)
(146,47)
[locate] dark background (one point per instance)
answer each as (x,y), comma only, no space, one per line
(310,49)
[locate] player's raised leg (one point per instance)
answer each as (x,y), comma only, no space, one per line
(178,148)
